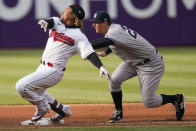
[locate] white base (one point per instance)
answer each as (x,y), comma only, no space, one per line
(41,122)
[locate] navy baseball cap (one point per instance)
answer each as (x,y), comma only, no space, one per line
(100,17)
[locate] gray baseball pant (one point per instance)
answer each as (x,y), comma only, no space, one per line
(149,76)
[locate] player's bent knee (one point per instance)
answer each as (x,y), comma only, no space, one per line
(20,87)
(115,90)
(150,103)
(115,85)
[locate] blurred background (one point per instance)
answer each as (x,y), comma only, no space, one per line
(162,22)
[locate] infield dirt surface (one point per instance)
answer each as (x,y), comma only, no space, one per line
(96,115)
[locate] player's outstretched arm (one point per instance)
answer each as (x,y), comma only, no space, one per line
(94,59)
(46,24)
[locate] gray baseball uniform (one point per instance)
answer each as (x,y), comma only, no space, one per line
(139,58)
(133,49)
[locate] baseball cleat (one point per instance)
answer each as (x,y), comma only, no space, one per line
(40,112)
(67,113)
(180,106)
(116,116)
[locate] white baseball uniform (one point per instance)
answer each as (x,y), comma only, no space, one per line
(62,44)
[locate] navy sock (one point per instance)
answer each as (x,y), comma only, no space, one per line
(168,98)
(117,99)
(57,107)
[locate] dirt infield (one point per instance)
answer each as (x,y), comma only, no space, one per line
(87,115)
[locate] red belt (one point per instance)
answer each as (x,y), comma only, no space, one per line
(50,64)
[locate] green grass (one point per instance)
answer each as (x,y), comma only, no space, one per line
(152,128)
(81,82)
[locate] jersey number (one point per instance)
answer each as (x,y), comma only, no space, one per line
(131,32)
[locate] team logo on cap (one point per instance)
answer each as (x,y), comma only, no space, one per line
(95,15)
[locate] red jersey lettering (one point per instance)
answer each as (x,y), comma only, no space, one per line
(62,38)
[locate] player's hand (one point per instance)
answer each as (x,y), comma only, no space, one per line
(104,71)
(43,24)
(102,54)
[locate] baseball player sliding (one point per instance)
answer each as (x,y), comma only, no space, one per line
(140,59)
(65,40)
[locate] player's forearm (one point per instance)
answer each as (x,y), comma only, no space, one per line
(94,59)
(100,43)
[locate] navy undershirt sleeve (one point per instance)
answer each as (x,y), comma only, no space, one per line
(100,43)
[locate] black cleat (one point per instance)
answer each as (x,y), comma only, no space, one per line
(180,106)
(116,116)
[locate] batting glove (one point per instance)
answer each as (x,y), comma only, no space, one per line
(43,24)
(104,71)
